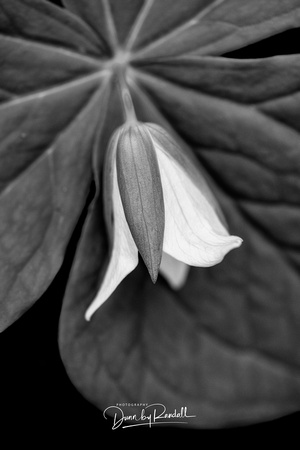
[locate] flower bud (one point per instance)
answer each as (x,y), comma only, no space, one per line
(157,203)
(141,193)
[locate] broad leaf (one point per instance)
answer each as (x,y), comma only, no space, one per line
(23,58)
(46,23)
(241,81)
(110,18)
(45,177)
(226,344)
(168,27)
(47,135)
(212,27)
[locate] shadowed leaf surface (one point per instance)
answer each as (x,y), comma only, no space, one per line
(226,344)
(49,122)
(212,27)
(41,21)
(42,195)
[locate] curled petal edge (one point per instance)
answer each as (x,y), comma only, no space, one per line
(124,254)
(193,232)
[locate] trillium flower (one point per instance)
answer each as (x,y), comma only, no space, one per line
(158,205)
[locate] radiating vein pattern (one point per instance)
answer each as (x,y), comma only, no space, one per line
(227,343)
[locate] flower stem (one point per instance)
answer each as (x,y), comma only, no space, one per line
(128,108)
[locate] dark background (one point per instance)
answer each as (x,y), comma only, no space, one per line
(37,400)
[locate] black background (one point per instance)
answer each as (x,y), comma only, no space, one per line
(38,403)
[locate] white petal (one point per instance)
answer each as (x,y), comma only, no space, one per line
(178,151)
(124,256)
(193,231)
(174,271)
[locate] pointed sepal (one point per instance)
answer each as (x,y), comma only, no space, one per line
(141,193)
